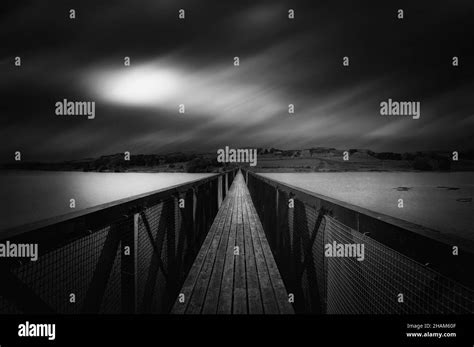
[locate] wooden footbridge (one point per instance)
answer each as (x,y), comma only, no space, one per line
(234,271)
(211,246)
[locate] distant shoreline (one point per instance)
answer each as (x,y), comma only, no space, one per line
(320,159)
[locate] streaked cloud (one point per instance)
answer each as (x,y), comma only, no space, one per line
(191,63)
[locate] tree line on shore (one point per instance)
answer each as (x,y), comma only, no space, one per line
(193,162)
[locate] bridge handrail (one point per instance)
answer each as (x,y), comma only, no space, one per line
(430,249)
(134,201)
(127,256)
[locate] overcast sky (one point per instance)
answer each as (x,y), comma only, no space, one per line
(190,62)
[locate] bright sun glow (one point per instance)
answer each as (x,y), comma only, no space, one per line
(216,94)
(140,86)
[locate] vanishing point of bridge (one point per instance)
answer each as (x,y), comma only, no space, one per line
(234,271)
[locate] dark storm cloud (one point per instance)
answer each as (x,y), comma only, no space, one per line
(190,62)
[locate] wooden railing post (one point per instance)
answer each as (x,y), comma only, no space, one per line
(226,182)
(219,191)
(277,223)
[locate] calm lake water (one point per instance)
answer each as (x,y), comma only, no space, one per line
(441,201)
(29,196)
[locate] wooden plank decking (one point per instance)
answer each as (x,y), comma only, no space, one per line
(227,280)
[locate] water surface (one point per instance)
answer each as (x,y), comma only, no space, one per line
(30,196)
(441,201)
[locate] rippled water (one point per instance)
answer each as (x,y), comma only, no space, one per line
(441,201)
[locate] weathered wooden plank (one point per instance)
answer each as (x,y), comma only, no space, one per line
(253,287)
(225,297)
(268,297)
(200,288)
(240,286)
(213,291)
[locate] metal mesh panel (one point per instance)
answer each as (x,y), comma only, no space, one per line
(111,302)
(152,266)
(373,285)
(7,307)
(321,284)
(67,270)
(61,278)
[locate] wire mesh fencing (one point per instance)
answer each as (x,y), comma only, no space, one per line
(129,257)
(330,261)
